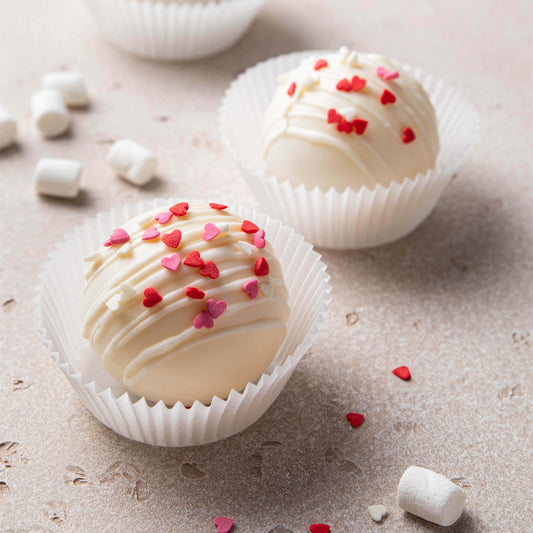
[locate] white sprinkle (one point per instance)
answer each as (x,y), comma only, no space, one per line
(8,128)
(146,219)
(57,177)
(377,512)
(49,113)
(343,53)
(71,85)
(126,292)
(246,247)
(349,113)
(352,58)
(310,79)
(113,303)
(124,249)
(95,257)
(267,289)
(223,227)
(132,161)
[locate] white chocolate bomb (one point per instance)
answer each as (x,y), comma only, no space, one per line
(182,348)
(304,141)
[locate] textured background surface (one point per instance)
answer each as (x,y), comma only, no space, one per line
(453,300)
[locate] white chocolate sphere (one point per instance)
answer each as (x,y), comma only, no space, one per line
(300,145)
(165,352)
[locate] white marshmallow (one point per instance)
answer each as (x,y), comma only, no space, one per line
(49,112)
(430,496)
(58,177)
(70,84)
(8,128)
(132,161)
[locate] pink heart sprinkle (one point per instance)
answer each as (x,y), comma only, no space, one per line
(251,288)
(108,242)
(210,232)
(150,233)
(172,262)
(382,72)
(163,217)
(259,239)
(203,320)
(119,236)
(223,524)
(215,308)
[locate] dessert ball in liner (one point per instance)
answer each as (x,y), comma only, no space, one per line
(174,29)
(60,315)
(378,206)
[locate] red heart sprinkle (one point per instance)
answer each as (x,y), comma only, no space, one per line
(402,372)
(292,89)
(360,126)
(408,135)
(387,97)
(218,207)
(194,260)
(223,524)
(333,116)
(319,528)
(172,239)
(151,297)
(355,419)
(180,209)
(321,63)
(261,267)
(344,126)
(344,85)
(194,293)
(209,270)
(358,83)
(249,227)
(214,308)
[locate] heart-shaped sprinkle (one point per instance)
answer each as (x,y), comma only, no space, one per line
(150,233)
(310,79)
(261,267)
(125,249)
(223,524)
(246,247)
(402,372)
(151,297)
(223,227)
(355,419)
(333,117)
(203,320)
(321,63)
(319,528)
(210,232)
(349,113)
(344,126)
(249,227)
(408,135)
(360,125)
(194,260)
(251,288)
(215,308)
(209,270)
(172,262)
(358,83)
(259,239)
(179,209)
(387,97)
(126,292)
(377,512)
(172,239)
(163,217)
(194,293)
(382,72)
(118,236)
(113,303)
(108,242)
(344,85)
(292,89)
(218,207)
(144,220)
(267,289)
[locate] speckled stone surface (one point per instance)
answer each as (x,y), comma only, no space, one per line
(453,300)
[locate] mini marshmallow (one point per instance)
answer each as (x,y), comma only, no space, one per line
(70,84)
(8,128)
(57,177)
(49,112)
(132,161)
(430,496)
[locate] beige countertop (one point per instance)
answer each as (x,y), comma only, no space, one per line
(453,300)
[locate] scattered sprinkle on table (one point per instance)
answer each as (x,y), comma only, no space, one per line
(402,372)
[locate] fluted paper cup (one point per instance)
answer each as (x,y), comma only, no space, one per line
(350,219)
(172,30)
(59,315)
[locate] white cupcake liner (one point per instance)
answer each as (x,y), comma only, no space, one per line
(59,315)
(349,219)
(166,30)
